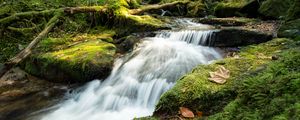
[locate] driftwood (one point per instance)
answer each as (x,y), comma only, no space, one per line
(28,50)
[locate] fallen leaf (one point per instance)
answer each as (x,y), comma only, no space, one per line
(199,114)
(185,112)
(220,76)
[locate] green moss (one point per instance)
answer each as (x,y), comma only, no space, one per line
(271,94)
(72,59)
(196,9)
(196,92)
(229,8)
(82,54)
(275,8)
(17,34)
(125,23)
(163,1)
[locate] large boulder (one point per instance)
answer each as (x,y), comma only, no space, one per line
(72,59)
(230,37)
(230,21)
(236,8)
(22,94)
(195,91)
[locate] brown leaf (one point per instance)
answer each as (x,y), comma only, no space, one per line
(220,76)
(199,114)
(185,112)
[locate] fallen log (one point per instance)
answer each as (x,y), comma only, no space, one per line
(155,7)
(20,15)
(74,10)
(28,50)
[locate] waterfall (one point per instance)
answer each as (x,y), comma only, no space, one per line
(190,36)
(138,80)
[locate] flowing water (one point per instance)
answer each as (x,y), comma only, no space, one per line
(139,79)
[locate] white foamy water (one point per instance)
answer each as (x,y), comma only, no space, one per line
(139,79)
(190,36)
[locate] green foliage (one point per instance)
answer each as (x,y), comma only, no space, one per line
(290,29)
(294,11)
(196,9)
(275,8)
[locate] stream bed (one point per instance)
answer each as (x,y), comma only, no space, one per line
(139,78)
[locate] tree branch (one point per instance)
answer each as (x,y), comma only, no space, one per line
(28,50)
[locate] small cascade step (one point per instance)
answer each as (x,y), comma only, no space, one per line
(204,38)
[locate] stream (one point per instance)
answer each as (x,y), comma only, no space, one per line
(139,78)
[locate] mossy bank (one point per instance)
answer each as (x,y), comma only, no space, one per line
(196,92)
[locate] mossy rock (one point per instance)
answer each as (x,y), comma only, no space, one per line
(230,21)
(230,37)
(275,8)
(125,23)
(72,59)
(290,29)
(270,94)
(230,8)
(196,92)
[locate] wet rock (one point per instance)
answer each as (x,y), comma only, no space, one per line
(126,43)
(251,9)
(22,94)
(233,21)
(230,37)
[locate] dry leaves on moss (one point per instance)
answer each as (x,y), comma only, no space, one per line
(185,112)
(220,76)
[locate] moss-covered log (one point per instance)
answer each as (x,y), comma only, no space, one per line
(154,7)
(18,16)
(27,51)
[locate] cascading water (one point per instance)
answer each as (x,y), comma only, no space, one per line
(138,80)
(190,36)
